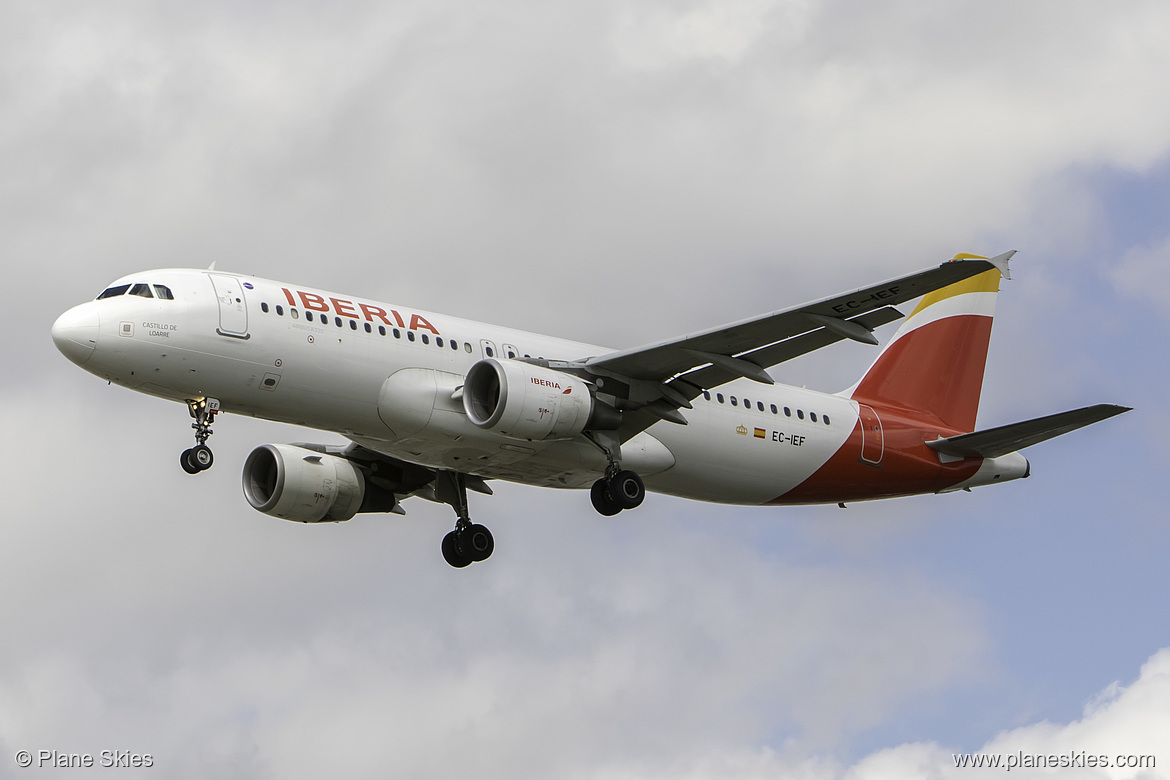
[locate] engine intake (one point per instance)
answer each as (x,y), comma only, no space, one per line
(523,401)
(294,483)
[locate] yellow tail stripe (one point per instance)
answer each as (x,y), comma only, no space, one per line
(988,281)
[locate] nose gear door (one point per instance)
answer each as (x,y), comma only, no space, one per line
(233,307)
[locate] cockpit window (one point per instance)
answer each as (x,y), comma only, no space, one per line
(114,292)
(141,289)
(164,292)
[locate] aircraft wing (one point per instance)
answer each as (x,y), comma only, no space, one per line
(746,347)
(995,442)
(657,380)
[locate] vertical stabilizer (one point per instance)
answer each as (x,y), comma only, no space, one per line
(935,362)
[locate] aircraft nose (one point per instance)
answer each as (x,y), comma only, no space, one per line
(75,333)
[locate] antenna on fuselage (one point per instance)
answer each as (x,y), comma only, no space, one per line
(212,266)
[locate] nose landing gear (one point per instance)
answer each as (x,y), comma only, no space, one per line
(199,457)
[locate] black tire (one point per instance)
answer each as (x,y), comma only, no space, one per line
(200,457)
(602,500)
(477,542)
(452,554)
(627,489)
(185,462)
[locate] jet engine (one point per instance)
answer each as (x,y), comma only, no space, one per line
(294,483)
(523,401)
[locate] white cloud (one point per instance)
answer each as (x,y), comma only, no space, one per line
(1123,721)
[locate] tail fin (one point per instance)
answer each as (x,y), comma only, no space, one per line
(935,361)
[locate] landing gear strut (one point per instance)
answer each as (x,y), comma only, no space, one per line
(199,457)
(620,488)
(470,542)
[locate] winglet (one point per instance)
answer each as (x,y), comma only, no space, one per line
(999,261)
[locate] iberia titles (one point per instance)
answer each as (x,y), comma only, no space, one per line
(345,308)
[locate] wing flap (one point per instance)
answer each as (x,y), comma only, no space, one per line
(995,442)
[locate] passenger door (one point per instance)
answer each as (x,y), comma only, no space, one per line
(233,306)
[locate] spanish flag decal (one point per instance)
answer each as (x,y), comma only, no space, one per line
(759,433)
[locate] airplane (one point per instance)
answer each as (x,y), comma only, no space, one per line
(434,406)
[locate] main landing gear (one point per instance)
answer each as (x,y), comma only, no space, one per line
(470,542)
(199,457)
(623,489)
(620,488)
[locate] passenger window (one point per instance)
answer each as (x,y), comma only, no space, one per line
(293,313)
(279,310)
(381,330)
(163,292)
(368,328)
(438,341)
(467,347)
(410,335)
(787,412)
(264,307)
(114,292)
(775,410)
(489,351)
(733,401)
(706,395)
(337,321)
(426,339)
(142,290)
(825,419)
(719,397)
(812,416)
(760,405)
(747,404)
(309,316)
(397,333)
(800,413)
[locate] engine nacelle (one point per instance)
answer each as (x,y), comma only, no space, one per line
(523,401)
(297,484)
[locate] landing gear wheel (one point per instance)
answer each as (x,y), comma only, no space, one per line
(476,542)
(452,553)
(603,501)
(186,463)
(200,457)
(627,489)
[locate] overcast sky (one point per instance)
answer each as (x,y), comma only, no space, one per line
(613,172)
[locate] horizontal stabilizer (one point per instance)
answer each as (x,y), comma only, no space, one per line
(995,442)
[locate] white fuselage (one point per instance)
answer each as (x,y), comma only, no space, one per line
(384,376)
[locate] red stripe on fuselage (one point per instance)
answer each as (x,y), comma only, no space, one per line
(907,467)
